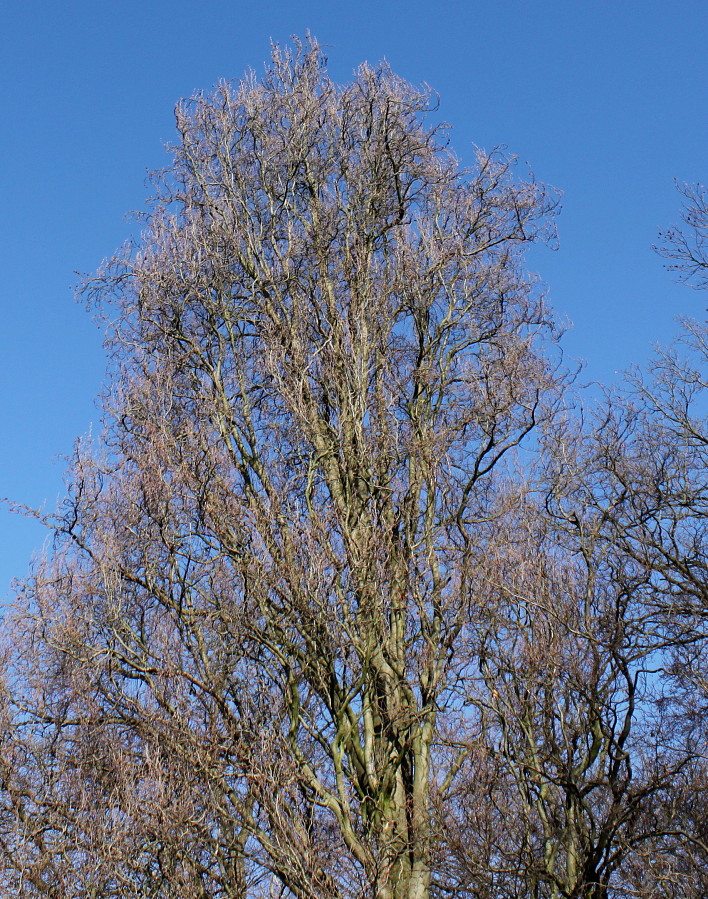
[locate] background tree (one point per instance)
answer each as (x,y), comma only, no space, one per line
(587,747)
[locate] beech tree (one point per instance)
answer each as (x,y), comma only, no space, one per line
(342,603)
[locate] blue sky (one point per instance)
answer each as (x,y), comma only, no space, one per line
(605,101)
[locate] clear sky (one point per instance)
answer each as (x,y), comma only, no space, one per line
(604,100)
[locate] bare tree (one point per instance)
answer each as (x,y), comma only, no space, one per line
(574,760)
(324,349)
(630,494)
(312,627)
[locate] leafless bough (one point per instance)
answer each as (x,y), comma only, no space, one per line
(686,246)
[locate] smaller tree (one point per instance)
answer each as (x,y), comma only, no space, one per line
(574,762)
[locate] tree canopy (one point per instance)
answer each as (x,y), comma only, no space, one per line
(348,600)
